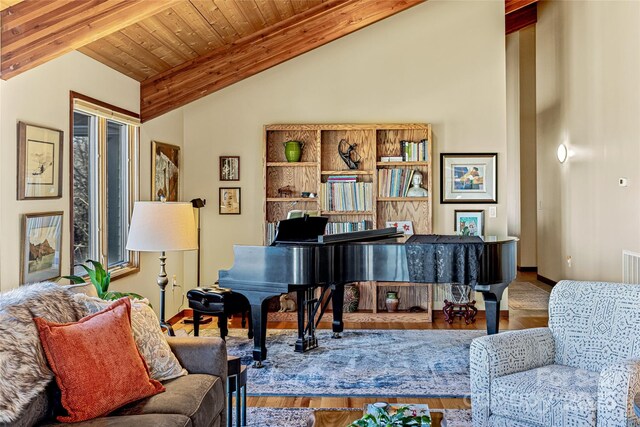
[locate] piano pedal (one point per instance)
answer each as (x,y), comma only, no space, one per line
(336,335)
(258,364)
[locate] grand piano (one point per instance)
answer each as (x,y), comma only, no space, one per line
(301,259)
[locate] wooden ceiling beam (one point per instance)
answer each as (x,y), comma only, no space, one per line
(36,31)
(513,5)
(274,45)
(521,18)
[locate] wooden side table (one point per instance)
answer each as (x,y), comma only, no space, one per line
(236,387)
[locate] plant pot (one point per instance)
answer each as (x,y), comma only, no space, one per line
(351,299)
(392,301)
(293,150)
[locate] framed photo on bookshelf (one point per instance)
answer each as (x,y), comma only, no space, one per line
(230,201)
(39,162)
(469,222)
(405,227)
(229,168)
(469,178)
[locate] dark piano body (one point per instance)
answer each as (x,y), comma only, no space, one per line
(330,262)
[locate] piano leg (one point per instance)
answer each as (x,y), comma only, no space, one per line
(492,298)
(259,309)
(337,304)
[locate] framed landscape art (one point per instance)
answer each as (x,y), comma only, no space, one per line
(469,223)
(229,168)
(469,178)
(41,247)
(165,171)
(39,165)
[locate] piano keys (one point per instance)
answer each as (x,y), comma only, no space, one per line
(330,262)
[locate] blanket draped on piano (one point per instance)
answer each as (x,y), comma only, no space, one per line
(444,259)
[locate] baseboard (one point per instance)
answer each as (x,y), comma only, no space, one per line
(546,280)
(528,269)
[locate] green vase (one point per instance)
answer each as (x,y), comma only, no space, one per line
(293,150)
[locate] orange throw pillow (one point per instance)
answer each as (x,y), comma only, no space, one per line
(96,362)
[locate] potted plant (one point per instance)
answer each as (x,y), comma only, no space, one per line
(101,279)
(404,416)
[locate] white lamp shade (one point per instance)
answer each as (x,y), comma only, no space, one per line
(162,227)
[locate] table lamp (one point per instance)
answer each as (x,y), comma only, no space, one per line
(162,227)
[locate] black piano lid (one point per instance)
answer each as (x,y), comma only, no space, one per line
(300,230)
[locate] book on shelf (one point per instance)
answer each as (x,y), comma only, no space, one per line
(414,151)
(391,159)
(346,196)
(347,227)
(394,182)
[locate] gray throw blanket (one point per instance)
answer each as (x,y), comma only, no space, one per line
(24,372)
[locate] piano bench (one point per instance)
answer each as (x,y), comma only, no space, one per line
(221,303)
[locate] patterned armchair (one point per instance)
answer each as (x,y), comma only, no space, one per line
(583,370)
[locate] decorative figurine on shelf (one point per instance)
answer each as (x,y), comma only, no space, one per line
(293,150)
(349,154)
(286,304)
(286,191)
(416,189)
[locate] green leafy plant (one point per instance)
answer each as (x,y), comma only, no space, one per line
(101,279)
(403,417)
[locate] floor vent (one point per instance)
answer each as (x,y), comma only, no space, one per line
(630,267)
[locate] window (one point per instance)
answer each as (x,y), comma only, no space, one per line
(104,184)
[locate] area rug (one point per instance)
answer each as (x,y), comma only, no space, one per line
(298,417)
(527,296)
(363,363)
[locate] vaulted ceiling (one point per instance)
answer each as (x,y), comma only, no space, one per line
(181,50)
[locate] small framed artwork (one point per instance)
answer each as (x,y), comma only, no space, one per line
(229,201)
(229,168)
(39,166)
(405,227)
(165,171)
(469,178)
(41,247)
(469,223)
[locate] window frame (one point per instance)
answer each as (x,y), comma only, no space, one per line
(133,172)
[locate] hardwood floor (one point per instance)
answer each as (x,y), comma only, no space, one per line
(516,319)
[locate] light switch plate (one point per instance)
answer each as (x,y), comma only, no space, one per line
(493,212)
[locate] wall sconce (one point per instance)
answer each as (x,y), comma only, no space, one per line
(562,153)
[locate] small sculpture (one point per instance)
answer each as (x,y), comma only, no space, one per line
(349,154)
(416,190)
(286,191)
(286,304)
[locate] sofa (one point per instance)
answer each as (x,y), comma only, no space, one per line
(582,370)
(194,400)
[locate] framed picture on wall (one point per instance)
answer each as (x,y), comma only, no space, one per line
(230,201)
(229,168)
(165,171)
(469,178)
(469,223)
(39,162)
(41,245)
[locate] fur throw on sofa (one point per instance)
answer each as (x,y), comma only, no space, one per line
(24,372)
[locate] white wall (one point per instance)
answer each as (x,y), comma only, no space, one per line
(521,142)
(41,96)
(588,97)
(441,62)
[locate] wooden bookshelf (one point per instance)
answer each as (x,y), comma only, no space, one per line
(320,160)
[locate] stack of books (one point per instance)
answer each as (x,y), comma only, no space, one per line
(347,227)
(344,193)
(414,151)
(394,182)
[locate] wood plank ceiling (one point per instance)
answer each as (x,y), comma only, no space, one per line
(181,50)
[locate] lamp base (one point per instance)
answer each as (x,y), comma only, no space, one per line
(168,327)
